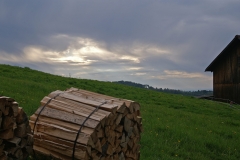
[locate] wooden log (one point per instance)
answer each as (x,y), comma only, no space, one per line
(123,139)
(107,107)
(29,139)
(123,145)
(115,156)
(43,150)
(139,119)
(14,107)
(2,145)
(23,143)
(121,156)
(29,150)
(119,118)
(8,122)
(98,146)
(21,116)
(100,134)
(111,138)
(103,141)
(66,125)
(119,128)
(61,141)
(1,120)
(110,149)
(7,133)
(3,101)
(61,132)
(6,111)
(3,157)
(130,116)
(78,105)
(15,140)
(130,144)
(100,96)
(136,130)
(117,143)
(15,152)
(94,155)
(118,149)
(14,126)
(118,135)
(68,117)
(127,124)
(61,148)
(79,109)
(22,130)
(18,154)
(94,137)
(122,103)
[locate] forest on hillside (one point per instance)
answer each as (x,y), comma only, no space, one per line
(167,90)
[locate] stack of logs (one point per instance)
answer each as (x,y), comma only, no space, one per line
(15,132)
(111,132)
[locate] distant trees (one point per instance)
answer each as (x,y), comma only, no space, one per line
(167,90)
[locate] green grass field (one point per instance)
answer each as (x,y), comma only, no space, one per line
(175,126)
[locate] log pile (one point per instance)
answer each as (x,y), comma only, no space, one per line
(15,132)
(109,128)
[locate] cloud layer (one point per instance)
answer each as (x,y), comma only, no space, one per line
(165,44)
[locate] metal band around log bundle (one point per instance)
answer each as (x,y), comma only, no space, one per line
(82,126)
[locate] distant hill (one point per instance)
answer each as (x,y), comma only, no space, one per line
(167,90)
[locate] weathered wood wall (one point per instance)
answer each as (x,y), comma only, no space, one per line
(226,75)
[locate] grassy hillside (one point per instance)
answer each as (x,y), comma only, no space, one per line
(175,126)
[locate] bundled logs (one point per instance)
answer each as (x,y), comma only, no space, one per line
(78,124)
(15,132)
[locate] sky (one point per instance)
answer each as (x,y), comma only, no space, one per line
(162,43)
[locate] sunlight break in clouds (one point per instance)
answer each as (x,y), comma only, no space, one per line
(78,51)
(38,54)
(138,74)
(93,50)
(130,58)
(86,51)
(134,68)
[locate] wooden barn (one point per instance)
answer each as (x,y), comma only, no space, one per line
(226,72)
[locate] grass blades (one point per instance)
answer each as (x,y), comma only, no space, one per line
(175,126)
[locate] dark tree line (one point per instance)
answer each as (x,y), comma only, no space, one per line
(167,90)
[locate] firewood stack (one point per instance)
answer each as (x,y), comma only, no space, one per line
(15,132)
(109,128)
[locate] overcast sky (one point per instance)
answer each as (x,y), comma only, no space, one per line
(163,43)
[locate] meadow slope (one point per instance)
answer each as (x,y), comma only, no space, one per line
(175,126)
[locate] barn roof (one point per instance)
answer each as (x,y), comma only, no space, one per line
(223,53)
